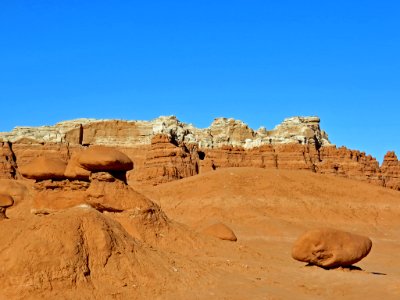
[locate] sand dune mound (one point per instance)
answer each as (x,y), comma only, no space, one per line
(331,248)
(251,194)
(78,248)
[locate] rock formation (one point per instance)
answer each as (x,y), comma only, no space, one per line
(43,168)
(5,201)
(331,248)
(78,249)
(104,188)
(221,231)
(391,171)
(166,149)
(8,165)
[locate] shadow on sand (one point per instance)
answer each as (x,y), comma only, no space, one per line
(346,268)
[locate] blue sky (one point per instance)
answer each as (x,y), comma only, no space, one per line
(258,61)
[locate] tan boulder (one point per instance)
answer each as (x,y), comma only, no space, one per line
(330,248)
(100,158)
(42,168)
(221,231)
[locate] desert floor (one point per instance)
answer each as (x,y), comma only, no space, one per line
(267,210)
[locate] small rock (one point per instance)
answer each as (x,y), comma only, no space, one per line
(221,231)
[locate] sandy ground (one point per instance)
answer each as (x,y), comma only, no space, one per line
(267,210)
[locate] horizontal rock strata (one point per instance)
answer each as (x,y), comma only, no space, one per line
(166,149)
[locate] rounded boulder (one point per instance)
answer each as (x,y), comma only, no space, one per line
(330,248)
(42,168)
(6,200)
(221,231)
(103,159)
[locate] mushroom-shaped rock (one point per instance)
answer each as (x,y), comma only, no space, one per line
(42,168)
(221,231)
(99,159)
(5,201)
(330,248)
(75,171)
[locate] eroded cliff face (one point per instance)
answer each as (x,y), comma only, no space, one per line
(166,149)
(391,171)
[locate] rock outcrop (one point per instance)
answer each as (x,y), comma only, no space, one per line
(8,165)
(119,133)
(42,168)
(391,171)
(166,149)
(329,248)
(5,202)
(166,160)
(76,249)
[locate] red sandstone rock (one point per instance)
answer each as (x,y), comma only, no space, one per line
(8,165)
(75,253)
(391,171)
(104,159)
(180,150)
(5,201)
(165,161)
(43,168)
(221,231)
(331,248)
(75,171)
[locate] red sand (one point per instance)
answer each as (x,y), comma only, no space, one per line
(159,258)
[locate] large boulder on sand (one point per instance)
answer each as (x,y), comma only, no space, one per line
(98,159)
(330,248)
(42,168)
(221,231)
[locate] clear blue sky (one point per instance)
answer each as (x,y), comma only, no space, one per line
(258,61)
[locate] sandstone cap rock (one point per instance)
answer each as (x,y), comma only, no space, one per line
(100,158)
(42,168)
(221,231)
(75,171)
(330,248)
(6,200)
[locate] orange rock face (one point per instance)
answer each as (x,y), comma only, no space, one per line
(166,161)
(166,149)
(8,165)
(391,171)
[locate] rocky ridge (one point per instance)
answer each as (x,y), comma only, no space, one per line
(166,149)
(223,131)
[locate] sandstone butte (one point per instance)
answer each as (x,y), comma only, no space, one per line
(166,149)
